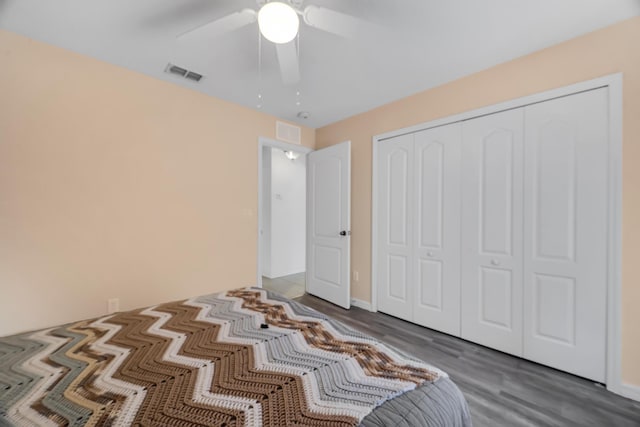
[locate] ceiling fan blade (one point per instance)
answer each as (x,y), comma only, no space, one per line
(289,64)
(331,21)
(221,26)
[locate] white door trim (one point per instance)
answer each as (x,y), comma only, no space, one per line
(614,267)
(267,142)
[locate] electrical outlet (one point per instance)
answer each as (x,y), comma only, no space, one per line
(113,305)
(356,276)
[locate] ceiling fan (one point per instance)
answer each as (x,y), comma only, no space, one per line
(279,23)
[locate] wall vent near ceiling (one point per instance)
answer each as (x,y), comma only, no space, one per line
(183,72)
(288,133)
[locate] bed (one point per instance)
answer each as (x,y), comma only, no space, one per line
(245,357)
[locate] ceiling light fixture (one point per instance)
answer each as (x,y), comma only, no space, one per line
(278,22)
(291,155)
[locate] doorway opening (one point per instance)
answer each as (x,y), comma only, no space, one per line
(282,218)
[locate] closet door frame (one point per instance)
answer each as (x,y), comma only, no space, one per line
(613,82)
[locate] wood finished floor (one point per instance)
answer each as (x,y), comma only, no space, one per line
(501,390)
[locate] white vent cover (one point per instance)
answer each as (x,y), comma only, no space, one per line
(288,133)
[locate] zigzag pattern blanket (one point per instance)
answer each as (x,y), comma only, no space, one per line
(239,358)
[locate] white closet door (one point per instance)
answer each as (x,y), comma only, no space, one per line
(565,223)
(492,230)
(395,230)
(436,266)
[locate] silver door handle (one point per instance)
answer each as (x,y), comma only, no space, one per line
(495,262)
(429,253)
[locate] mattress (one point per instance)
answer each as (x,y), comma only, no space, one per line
(245,357)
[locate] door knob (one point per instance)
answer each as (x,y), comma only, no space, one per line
(343,233)
(495,262)
(429,253)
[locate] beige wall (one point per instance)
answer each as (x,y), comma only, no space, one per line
(614,49)
(114,184)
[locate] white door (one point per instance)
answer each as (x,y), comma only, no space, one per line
(436,265)
(328,224)
(492,230)
(395,227)
(565,233)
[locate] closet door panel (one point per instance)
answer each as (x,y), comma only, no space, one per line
(565,225)
(492,230)
(437,233)
(395,227)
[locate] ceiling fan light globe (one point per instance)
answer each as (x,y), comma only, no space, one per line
(278,22)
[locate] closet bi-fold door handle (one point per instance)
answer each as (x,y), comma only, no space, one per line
(344,233)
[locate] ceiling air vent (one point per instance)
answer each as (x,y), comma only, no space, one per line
(183,72)
(288,133)
(193,76)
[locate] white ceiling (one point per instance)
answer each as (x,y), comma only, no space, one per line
(418,44)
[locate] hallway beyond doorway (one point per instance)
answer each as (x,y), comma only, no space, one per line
(291,286)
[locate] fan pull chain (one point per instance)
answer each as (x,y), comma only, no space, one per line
(259,105)
(298,102)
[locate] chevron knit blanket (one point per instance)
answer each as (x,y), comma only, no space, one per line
(239,358)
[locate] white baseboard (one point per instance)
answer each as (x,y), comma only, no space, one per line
(630,391)
(361,304)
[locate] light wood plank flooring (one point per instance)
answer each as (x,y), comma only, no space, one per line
(501,390)
(291,286)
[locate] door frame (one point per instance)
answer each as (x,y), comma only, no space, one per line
(264,142)
(614,381)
